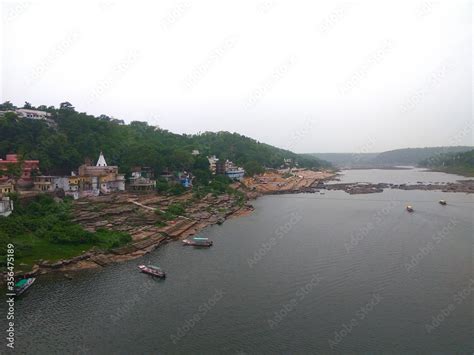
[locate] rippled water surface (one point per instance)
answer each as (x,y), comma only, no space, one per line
(304,273)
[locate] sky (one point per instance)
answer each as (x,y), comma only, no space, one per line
(309,76)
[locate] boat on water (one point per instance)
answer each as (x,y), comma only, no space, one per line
(443,202)
(23,284)
(409,208)
(152,270)
(198,242)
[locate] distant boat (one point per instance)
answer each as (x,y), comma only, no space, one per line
(442,202)
(23,284)
(198,242)
(410,208)
(152,270)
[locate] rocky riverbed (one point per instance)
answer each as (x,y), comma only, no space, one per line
(466,186)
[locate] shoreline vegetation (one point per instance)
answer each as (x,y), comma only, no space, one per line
(457,170)
(125,226)
(129,225)
(461,163)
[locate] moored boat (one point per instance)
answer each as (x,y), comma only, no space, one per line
(198,242)
(152,270)
(443,202)
(23,284)
(409,208)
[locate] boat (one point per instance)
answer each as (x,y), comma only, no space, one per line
(152,270)
(198,242)
(23,284)
(410,208)
(442,202)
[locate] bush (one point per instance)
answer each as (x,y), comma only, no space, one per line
(176,209)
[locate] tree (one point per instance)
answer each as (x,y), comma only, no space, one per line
(66,106)
(7,106)
(27,105)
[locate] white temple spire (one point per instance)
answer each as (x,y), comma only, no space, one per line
(101,161)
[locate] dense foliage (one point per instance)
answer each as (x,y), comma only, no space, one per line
(462,163)
(41,226)
(62,144)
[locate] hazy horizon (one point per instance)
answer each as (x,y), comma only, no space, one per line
(332,77)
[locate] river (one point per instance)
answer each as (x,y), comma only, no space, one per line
(305,273)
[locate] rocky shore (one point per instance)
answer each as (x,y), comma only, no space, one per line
(137,215)
(466,186)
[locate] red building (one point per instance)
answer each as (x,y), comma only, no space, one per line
(27,167)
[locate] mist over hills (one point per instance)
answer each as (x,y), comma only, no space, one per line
(405,156)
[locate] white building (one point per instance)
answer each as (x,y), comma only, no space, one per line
(33,114)
(212,163)
(6,206)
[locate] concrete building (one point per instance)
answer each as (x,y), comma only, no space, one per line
(220,167)
(100,178)
(6,187)
(27,168)
(33,114)
(235,173)
(6,206)
(142,179)
(44,183)
(212,163)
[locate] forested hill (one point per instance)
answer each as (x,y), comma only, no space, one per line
(407,156)
(62,144)
(462,163)
(412,156)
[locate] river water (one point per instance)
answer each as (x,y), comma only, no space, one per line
(305,273)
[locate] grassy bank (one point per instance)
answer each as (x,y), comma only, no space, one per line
(43,229)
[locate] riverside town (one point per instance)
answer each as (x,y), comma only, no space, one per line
(264,177)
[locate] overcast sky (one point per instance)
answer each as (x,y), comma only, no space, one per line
(310,76)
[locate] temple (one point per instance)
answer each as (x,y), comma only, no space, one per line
(101,178)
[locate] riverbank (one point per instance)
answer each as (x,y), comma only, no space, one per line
(146,219)
(284,182)
(464,171)
(465,186)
